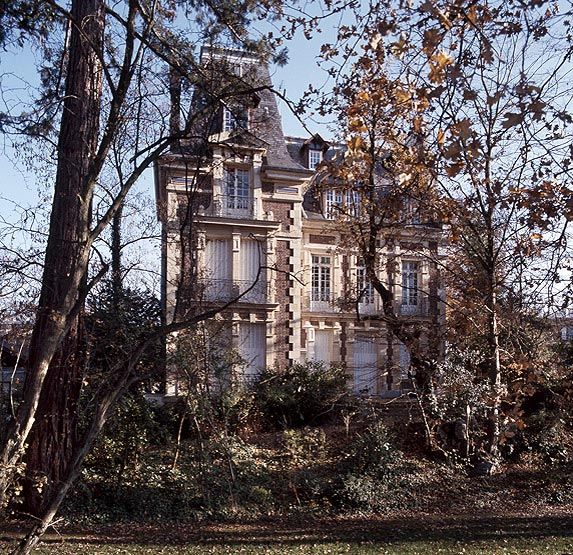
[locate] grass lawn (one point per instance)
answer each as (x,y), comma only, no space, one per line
(551,545)
(422,534)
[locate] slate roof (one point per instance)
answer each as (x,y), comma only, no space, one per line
(265,117)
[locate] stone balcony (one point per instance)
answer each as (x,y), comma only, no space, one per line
(225,290)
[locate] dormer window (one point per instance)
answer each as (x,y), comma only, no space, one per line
(235,117)
(312,151)
(314,158)
(410,210)
(236,69)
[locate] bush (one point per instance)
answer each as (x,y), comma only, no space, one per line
(134,427)
(372,468)
(219,476)
(306,446)
(301,395)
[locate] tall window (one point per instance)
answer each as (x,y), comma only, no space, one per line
(314,158)
(352,203)
(252,272)
(235,117)
(252,348)
(237,190)
(218,269)
(323,345)
(410,273)
(364,289)
(320,278)
(333,202)
(411,210)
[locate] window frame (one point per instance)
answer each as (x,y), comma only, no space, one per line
(315,157)
(347,200)
(364,289)
(237,188)
(411,210)
(231,120)
(321,278)
(411,277)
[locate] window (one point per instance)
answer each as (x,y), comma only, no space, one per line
(252,349)
(567,333)
(341,202)
(218,270)
(332,204)
(320,278)
(323,345)
(314,158)
(364,289)
(352,203)
(236,70)
(236,117)
(365,362)
(411,210)
(252,272)
(237,190)
(405,361)
(410,271)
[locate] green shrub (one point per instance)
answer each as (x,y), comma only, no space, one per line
(372,468)
(135,425)
(218,476)
(306,445)
(300,395)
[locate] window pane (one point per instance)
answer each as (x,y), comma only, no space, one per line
(228,120)
(364,289)
(410,283)
(320,278)
(237,188)
(314,158)
(333,200)
(235,117)
(242,189)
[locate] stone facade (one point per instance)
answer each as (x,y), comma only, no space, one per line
(245,222)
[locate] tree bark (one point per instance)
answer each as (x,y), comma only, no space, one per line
(493,431)
(52,382)
(53,437)
(116,269)
(73,468)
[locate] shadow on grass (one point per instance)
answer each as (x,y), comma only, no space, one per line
(317,531)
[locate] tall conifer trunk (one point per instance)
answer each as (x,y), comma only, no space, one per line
(47,416)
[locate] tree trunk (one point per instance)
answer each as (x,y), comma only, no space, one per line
(116,269)
(76,459)
(493,431)
(53,437)
(66,261)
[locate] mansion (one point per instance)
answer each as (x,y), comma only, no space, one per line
(245,227)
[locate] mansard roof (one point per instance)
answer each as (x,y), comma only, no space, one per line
(254,77)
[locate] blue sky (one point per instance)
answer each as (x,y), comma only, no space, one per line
(17,185)
(21,189)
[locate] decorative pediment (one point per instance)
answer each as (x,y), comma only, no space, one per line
(315,142)
(238,138)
